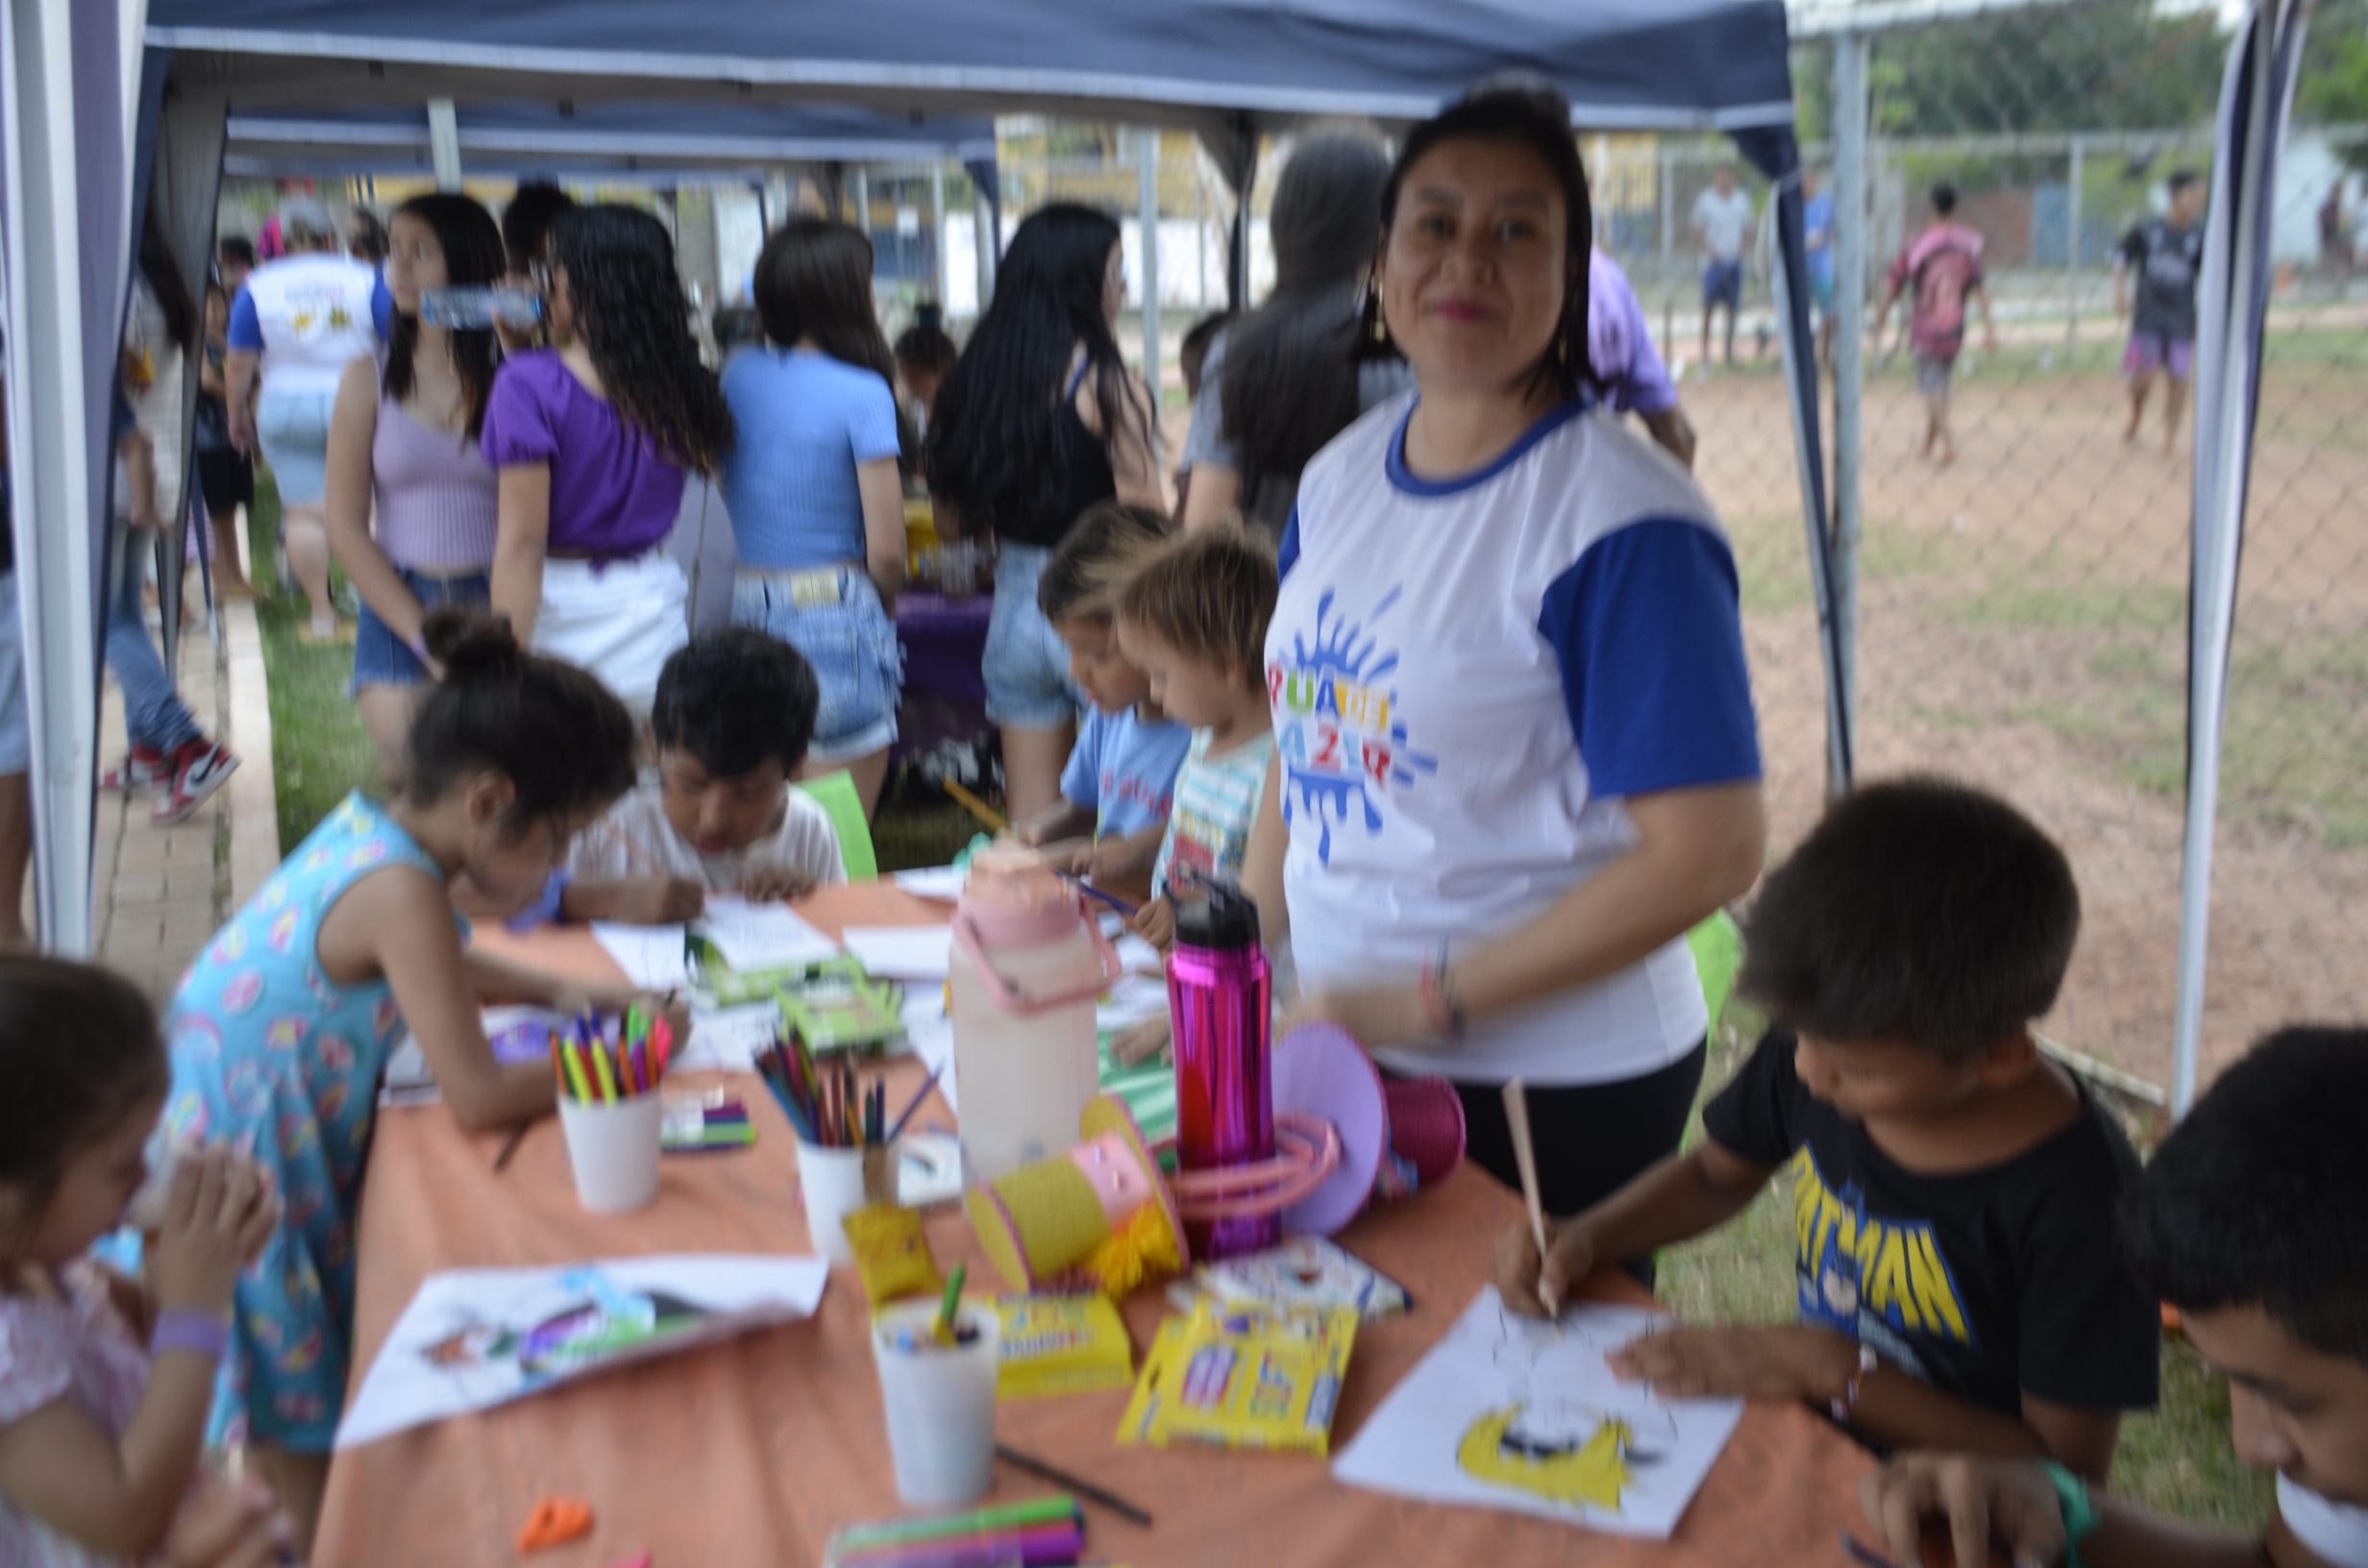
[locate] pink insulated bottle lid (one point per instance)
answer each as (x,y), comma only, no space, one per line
(1016,900)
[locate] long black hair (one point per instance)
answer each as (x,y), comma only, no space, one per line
(994,443)
(814,280)
(560,737)
(161,268)
(634,319)
(1517,116)
(1290,374)
(472,257)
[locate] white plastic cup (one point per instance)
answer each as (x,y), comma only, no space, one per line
(835,1183)
(940,1403)
(613,1147)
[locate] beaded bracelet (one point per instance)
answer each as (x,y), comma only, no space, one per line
(179,1329)
(1845,1406)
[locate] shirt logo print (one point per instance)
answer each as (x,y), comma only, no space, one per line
(1337,726)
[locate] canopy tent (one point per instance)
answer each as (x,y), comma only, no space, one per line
(723,140)
(2256,99)
(1227,69)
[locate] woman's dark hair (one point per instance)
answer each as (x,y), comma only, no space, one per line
(1290,372)
(635,322)
(526,222)
(733,698)
(993,445)
(814,280)
(184,321)
(365,235)
(78,1049)
(560,737)
(2255,1200)
(472,257)
(1519,116)
(1918,910)
(926,347)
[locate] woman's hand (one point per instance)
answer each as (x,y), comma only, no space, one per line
(1373,1018)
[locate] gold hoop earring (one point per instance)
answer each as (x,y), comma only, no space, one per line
(1381,327)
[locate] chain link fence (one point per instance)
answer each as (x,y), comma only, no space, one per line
(2023,608)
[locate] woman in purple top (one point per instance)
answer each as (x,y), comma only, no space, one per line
(404,438)
(591,440)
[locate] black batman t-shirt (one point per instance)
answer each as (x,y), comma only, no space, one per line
(1987,1283)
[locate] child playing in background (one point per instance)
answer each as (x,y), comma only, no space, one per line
(280,1029)
(1943,265)
(1952,1189)
(735,712)
(1120,785)
(104,1382)
(1192,616)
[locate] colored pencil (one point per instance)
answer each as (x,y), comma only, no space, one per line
(896,1129)
(509,1146)
(1525,1156)
(1038,1469)
(974,806)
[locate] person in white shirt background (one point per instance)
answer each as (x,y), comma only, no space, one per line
(297,322)
(1487,828)
(2252,1220)
(1722,233)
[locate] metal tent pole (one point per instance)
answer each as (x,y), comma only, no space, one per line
(1849,241)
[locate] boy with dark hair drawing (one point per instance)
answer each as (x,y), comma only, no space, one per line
(732,718)
(2253,1221)
(1951,1188)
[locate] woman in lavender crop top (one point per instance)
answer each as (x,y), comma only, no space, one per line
(404,436)
(591,440)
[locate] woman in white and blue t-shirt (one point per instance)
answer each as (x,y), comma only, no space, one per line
(816,504)
(1516,758)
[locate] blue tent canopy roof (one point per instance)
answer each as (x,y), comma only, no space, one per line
(1643,63)
(518,137)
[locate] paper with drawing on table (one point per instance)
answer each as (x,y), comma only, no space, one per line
(943,883)
(728,1039)
(903,952)
(754,937)
(472,1338)
(516,1033)
(650,955)
(1509,1412)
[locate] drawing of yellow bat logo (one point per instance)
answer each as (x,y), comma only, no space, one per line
(1594,1472)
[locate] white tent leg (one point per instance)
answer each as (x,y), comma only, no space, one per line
(64,243)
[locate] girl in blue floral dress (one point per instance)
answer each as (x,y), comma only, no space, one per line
(280,1029)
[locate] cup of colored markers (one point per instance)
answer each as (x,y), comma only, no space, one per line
(611,1109)
(938,1361)
(847,1141)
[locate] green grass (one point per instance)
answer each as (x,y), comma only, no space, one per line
(2177,1458)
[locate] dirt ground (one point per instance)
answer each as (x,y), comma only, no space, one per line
(2013,600)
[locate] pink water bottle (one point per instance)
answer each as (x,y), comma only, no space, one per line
(1220,992)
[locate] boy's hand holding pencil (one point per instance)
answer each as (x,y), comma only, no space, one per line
(1535,1286)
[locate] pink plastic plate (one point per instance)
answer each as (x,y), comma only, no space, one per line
(1319,1071)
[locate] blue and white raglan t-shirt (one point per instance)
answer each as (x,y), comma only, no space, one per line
(1467,679)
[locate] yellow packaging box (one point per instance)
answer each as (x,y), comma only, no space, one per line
(1061,1345)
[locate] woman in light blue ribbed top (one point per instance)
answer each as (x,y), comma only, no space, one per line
(817,508)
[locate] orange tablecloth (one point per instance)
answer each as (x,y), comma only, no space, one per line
(751,1452)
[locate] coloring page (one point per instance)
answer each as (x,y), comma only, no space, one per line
(476,1337)
(1509,1412)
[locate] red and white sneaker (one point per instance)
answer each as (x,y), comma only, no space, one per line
(199,768)
(143,772)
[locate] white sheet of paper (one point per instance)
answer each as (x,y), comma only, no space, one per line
(472,1338)
(930,1033)
(1133,999)
(728,1039)
(761,936)
(650,955)
(903,952)
(943,883)
(928,1169)
(1140,957)
(1506,1413)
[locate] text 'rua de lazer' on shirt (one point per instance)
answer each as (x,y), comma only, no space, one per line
(1336,727)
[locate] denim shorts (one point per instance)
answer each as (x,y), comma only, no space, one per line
(1722,284)
(1027,664)
(293,429)
(847,636)
(380,658)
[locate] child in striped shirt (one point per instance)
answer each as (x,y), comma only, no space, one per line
(1192,616)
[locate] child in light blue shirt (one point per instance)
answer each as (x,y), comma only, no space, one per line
(1119,788)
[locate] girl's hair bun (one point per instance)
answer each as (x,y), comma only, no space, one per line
(474,648)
